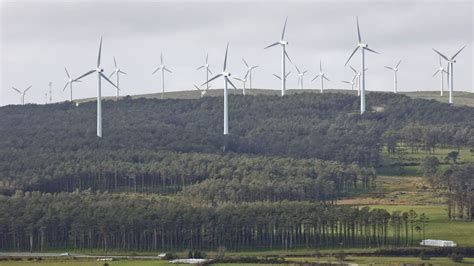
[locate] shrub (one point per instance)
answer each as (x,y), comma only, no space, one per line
(456,257)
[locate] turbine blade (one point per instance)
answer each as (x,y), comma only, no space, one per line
(207,57)
(389,67)
(67,73)
(398,64)
(106,78)
(304,72)
(65,86)
(111,74)
(320,66)
(156,69)
(115,62)
(27,89)
(345,82)
(297,69)
(16,90)
(278,77)
(245,62)
(317,76)
(161,58)
(123,72)
(358,31)
(287,56)
(209,70)
(440,54)
(284,28)
(353,69)
(166,69)
(435,73)
(218,75)
(458,52)
(355,50)
(86,74)
(228,80)
(199,67)
(368,49)
(287,74)
(271,45)
(100,50)
(225,58)
(239,79)
(326,78)
(246,74)
(195,86)
(254,67)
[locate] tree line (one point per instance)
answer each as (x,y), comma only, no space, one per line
(210,178)
(34,221)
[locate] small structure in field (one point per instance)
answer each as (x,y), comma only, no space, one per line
(437,243)
(189,261)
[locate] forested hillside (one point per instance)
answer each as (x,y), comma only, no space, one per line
(164,176)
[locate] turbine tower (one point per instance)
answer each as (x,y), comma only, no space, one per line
(300,77)
(100,76)
(363,47)
(117,71)
(226,76)
(321,75)
(284,54)
(69,83)
(442,71)
(451,62)
(249,72)
(163,68)
(203,92)
(243,80)
(50,92)
(22,93)
(208,71)
(395,76)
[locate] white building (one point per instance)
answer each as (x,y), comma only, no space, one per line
(437,243)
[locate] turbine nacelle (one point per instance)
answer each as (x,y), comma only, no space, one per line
(283,42)
(363,45)
(226,74)
(100,70)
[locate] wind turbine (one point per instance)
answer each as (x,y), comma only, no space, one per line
(249,72)
(226,76)
(300,76)
(451,62)
(22,93)
(357,78)
(50,84)
(117,71)
(321,75)
(100,76)
(203,92)
(243,80)
(69,83)
(395,76)
(163,68)
(442,71)
(284,54)
(208,71)
(363,47)
(352,82)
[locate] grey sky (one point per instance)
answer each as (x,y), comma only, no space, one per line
(39,38)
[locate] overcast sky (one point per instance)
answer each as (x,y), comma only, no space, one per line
(39,38)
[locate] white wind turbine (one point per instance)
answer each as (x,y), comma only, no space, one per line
(321,75)
(249,72)
(203,92)
(69,83)
(117,71)
(226,76)
(363,47)
(284,54)
(100,76)
(352,82)
(163,68)
(208,71)
(442,71)
(300,77)
(243,80)
(357,79)
(451,62)
(395,76)
(22,93)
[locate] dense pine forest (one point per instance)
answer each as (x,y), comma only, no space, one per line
(164,177)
